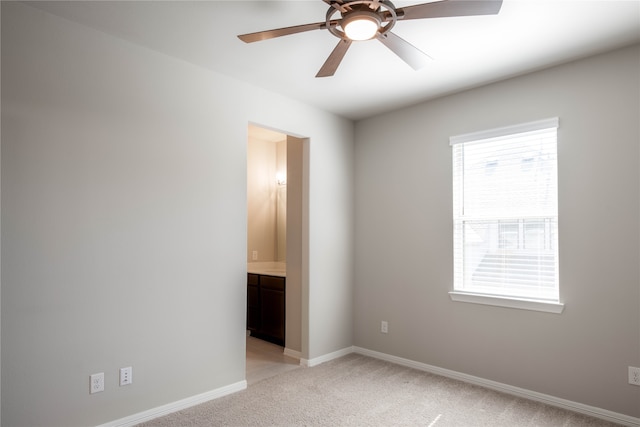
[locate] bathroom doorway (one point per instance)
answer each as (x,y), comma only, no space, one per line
(275,251)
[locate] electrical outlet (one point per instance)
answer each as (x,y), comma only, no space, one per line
(634,375)
(126,376)
(384,327)
(254,255)
(96,383)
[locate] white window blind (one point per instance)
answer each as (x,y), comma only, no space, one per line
(505,212)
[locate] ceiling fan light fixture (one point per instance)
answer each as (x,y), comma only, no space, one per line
(361,25)
(374,19)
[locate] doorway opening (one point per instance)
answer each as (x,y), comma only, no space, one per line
(275,250)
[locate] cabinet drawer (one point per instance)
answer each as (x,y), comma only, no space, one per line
(272,282)
(252,279)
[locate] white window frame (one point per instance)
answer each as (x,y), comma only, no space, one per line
(459,294)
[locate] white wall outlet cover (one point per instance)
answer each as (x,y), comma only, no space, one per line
(126,376)
(96,383)
(634,375)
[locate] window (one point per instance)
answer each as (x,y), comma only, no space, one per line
(505,216)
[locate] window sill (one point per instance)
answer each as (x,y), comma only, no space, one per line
(523,304)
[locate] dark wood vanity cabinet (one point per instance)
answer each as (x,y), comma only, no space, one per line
(253,303)
(266,307)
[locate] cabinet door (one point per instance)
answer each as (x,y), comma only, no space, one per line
(272,314)
(253,308)
(272,282)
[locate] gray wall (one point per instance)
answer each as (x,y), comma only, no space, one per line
(404,236)
(124,223)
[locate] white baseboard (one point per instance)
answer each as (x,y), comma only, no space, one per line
(179,405)
(592,411)
(292,353)
(326,357)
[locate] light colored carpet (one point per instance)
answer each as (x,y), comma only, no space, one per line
(356,390)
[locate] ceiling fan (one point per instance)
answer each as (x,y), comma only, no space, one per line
(373,19)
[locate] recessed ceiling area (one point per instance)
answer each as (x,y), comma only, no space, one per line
(466,52)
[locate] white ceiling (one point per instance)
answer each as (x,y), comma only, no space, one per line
(469,51)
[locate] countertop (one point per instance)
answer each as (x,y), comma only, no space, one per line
(268,268)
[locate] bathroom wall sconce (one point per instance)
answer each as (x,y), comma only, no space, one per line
(281,178)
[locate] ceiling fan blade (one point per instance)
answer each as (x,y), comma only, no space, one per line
(405,50)
(269,34)
(331,64)
(448,8)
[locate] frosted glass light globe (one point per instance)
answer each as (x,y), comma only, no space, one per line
(362,28)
